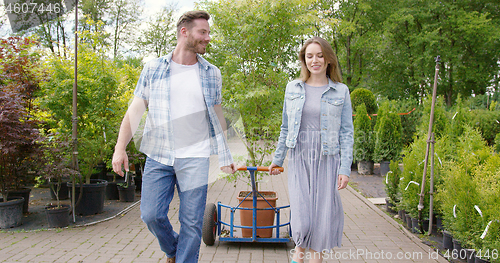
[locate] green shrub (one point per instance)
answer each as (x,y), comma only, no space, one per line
(440,125)
(392,182)
(410,121)
(460,190)
(487,122)
(460,116)
(413,163)
(362,95)
(363,135)
(388,143)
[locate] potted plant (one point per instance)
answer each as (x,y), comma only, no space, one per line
(259,145)
(363,141)
(18,130)
(103,93)
(20,78)
(126,190)
(391,186)
(56,167)
(13,132)
(388,143)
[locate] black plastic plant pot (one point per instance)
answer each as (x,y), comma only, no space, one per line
(57,216)
(11,212)
(126,194)
(92,201)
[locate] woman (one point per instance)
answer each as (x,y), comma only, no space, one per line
(317,128)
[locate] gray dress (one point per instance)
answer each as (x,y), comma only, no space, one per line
(317,216)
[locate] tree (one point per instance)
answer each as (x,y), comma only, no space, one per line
(255,44)
(94,10)
(20,76)
(363,135)
(123,18)
(103,92)
(465,36)
(159,36)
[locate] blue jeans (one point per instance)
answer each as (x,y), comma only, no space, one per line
(158,185)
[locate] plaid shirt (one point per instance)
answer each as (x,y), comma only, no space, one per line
(154,87)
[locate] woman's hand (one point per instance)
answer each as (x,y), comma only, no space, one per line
(343,180)
(273,171)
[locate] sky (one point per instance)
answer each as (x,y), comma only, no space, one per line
(152,6)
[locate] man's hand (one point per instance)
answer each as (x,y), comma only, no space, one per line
(273,171)
(229,169)
(343,180)
(120,158)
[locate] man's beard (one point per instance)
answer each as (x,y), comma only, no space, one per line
(195,46)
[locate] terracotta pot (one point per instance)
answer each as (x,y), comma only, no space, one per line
(264,217)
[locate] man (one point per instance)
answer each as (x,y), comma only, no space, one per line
(184,125)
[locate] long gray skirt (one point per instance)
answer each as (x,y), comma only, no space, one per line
(317,216)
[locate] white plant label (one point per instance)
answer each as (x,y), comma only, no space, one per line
(478,210)
(486,230)
(454,211)
(411,182)
(439,159)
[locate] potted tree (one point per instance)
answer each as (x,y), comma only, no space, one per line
(56,167)
(103,92)
(20,78)
(15,132)
(391,186)
(363,141)
(388,143)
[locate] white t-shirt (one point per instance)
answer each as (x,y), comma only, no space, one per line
(188,112)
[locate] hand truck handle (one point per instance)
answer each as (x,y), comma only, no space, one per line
(259,168)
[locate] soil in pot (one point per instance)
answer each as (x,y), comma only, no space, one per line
(126,194)
(92,201)
(11,212)
(57,217)
(24,193)
(264,217)
(447,240)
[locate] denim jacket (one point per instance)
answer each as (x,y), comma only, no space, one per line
(335,123)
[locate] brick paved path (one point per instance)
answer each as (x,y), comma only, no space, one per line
(369,236)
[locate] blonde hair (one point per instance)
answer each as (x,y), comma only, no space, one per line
(332,70)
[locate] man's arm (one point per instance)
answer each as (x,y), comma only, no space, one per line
(127,129)
(230,169)
(220,115)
